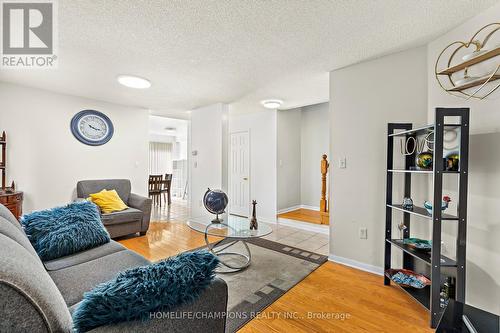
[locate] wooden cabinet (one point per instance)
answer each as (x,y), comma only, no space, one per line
(13,201)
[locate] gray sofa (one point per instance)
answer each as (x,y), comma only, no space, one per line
(132,220)
(38,296)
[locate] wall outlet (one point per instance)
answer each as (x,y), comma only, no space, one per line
(343,163)
(363,233)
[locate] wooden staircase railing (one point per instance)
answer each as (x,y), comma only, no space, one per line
(323,203)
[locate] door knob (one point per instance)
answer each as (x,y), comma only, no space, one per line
(245,178)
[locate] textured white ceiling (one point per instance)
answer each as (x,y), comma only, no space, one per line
(158,125)
(198,52)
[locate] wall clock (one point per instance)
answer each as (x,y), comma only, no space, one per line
(92,127)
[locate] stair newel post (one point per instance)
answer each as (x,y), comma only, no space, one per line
(323,203)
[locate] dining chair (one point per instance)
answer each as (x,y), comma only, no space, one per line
(155,187)
(167,185)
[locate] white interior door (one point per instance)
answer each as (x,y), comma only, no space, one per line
(239,174)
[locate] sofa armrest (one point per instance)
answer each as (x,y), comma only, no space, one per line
(143,204)
(206,314)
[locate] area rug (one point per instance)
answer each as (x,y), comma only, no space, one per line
(275,269)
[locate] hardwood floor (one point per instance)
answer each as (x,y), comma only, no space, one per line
(304,215)
(313,304)
(333,290)
(165,239)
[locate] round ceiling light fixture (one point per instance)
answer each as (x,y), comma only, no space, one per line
(132,81)
(271,103)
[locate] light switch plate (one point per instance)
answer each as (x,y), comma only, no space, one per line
(343,163)
(363,233)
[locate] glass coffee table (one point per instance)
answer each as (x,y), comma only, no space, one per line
(233,229)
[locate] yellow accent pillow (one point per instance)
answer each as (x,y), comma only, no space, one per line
(108,201)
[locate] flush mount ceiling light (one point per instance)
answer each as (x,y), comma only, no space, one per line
(169,130)
(132,81)
(271,103)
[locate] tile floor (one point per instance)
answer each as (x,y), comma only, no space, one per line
(302,239)
(178,212)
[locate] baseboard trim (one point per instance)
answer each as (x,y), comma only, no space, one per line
(310,207)
(289,209)
(319,228)
(292,208)
(357,264)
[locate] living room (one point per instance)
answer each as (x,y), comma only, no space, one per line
(86,247)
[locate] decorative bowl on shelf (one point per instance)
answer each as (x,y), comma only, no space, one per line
(444,204)
(418,244)
(407,278)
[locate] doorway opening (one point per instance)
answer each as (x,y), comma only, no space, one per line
(303,145)
(168,166)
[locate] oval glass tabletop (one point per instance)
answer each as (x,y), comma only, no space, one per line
(231,227)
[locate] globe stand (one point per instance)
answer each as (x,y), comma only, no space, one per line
(217,220)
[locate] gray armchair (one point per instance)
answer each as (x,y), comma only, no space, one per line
(134,219)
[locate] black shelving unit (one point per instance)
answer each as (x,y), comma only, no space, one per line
(3,163)
(433,265)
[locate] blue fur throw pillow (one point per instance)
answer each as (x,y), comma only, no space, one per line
(136,292)
(66,230)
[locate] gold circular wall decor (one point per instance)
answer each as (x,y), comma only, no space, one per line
(468,86)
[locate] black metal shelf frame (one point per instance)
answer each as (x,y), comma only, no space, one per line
(429,297)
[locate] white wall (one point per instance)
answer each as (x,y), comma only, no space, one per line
(363,99)
(315,141)
(206,168)
(289,157)
(46,161)
(263,179)
(483,226)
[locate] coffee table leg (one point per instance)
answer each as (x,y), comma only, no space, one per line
(247,258)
